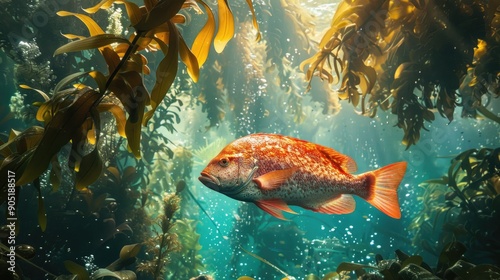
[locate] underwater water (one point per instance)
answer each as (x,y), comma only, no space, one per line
(100,175)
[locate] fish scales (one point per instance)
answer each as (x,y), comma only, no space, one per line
(275,171)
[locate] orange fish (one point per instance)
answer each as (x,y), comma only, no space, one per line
(275,171)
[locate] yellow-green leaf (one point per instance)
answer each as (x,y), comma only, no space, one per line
(344,266)
(68,79)
(162,12)
(202,42)
(77,269)
(73,36)
(99,78)
(124,93)
(189,59)
(118,113)
(93,42)
(55,174)
(58,132)
(43,94)
(91,168)
(133,128)
(254,19)
(104,4)
(92,26)
(15,163)
(166,72)
(26,140)
(331,276)
(133,11)
(112,59)
(226,26)
(130,251)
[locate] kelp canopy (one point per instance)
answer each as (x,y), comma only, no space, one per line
(411,57)
(73,115)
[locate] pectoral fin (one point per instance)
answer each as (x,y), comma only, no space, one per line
(274,207)
(342,204)
(274,179)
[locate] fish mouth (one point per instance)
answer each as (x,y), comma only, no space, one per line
(209,181)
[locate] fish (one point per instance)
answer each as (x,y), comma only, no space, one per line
(275,171)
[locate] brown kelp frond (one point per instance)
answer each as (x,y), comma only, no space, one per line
(73,114)
(395,54)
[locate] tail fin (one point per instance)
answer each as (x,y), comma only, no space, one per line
(383,188)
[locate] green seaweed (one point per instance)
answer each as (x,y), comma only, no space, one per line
(463,205)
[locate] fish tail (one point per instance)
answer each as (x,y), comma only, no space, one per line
(382,187)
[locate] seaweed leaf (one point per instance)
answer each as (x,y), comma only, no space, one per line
(57,133)
(189,59)
(90,170)
(43,94)
(122,274)
(55,174)
(344,266)
(202,42)
(133,11)
(487,113)
(96,41)
(133,127)
(77,269)
(24,141)
(130,251)
(92,26)
(226,26)
(100,79)
(68,79)
(160,13)
(166,72)
(118,113)
(104,4)
(254,19)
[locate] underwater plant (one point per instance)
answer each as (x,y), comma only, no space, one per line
(410,57)
(74,136)
(164,242)
(451,265)
(464,205)
(74,114)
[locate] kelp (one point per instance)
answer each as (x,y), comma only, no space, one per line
(187,262)
(72,115)
(410,57)
(451,265)
(164,242)
(463,205)
(286,45)
(259,70)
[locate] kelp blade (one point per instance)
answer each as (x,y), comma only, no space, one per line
(226,26)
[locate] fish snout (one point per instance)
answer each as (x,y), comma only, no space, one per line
(209,181)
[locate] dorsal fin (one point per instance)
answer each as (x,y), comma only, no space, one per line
(347,164)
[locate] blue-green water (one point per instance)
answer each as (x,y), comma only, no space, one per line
(250,87)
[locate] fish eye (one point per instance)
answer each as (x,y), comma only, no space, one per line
(224,162)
